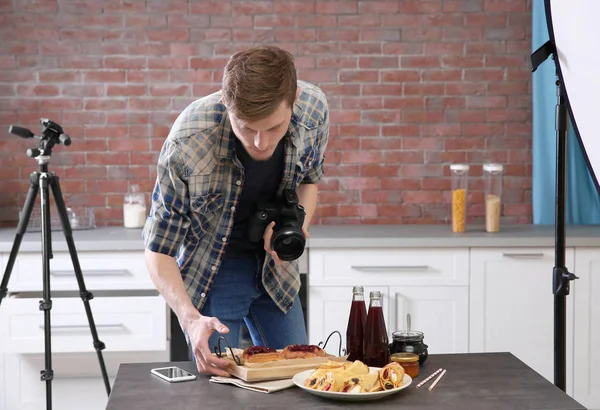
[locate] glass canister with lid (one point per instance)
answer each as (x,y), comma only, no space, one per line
(493,196)
(134,208)
(409,341)
(460,184)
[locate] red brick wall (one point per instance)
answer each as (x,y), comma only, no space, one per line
(413,85)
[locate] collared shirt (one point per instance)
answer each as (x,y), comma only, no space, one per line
(199,182)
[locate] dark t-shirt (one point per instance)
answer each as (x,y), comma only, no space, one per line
(261,181)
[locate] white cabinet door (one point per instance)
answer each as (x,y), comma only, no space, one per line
(329,310)
(392,266)
(512,306)
(77,383)
(586,293)
(3,382)
(123,323)
(441,313)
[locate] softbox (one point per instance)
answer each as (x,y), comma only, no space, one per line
(572,29)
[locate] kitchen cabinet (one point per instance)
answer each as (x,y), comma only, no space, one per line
(77,382)
(131,318)
(441,313)
(585,293)
(329,310)
(430,285)
(512,306)
(471,299)
(467,293)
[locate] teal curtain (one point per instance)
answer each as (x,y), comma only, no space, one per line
(582,198)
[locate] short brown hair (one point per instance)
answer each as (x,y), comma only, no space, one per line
(257,80)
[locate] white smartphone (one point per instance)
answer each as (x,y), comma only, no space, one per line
(173,374)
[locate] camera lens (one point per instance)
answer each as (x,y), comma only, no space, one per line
(289,243)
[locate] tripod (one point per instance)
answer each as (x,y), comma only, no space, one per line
(45,181)
(561,277)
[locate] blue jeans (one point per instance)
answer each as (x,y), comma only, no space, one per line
(237,296)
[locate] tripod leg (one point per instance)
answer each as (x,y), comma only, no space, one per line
(85,294)
(46,302)
(21,228)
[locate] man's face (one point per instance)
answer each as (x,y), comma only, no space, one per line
(260,138)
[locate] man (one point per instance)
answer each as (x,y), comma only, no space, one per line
(263,133)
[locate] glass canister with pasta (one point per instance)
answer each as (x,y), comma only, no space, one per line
(493,196)
(460,182)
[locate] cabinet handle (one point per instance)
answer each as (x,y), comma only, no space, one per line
(523,255)
(401,308)
(388,268)
(102,325)
(99,272)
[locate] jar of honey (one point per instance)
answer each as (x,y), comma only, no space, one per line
(409,361)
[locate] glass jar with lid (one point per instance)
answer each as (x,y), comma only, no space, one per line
(493,196)
(134,208)
(460,183)
(409,361)
(409,341)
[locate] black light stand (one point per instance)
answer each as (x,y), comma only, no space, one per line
(561,276)
(52,134)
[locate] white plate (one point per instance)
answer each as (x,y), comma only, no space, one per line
(301,377)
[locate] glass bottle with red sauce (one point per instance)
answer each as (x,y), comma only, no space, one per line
(376,349)
(355,331)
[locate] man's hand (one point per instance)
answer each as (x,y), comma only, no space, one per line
(267,238)
(199,330)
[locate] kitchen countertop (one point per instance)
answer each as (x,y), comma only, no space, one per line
(337,236)
(436,236)
(482,381)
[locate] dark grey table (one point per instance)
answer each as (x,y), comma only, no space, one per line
(483,381)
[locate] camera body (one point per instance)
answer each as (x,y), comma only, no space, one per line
(288,238)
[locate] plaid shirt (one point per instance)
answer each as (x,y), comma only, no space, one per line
(199,182)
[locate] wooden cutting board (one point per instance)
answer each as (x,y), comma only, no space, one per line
(276,370)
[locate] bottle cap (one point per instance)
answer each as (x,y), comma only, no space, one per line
(459,167)
(357,289)
(404,357)
(493,167)
(375,294)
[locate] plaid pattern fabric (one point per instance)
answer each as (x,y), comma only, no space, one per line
(199,182)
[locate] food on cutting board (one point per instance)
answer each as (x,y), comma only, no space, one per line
(354,377)
(262,354)
(300,351)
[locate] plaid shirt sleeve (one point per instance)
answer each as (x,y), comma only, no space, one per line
(168,222)
(315,174)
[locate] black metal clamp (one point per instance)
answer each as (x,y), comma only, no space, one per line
(219,351)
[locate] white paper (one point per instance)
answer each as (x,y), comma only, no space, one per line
(262,387)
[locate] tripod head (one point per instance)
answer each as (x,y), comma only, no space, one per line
(52,134)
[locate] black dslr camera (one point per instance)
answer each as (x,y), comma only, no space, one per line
(288,239)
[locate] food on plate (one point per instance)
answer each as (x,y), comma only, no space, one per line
(354,377)
(365,383)
(330,378)
(391,375)
(334,379)
(331,364)
(261,354)
(315,378)
(302,351)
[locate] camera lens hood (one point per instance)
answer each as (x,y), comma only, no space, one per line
(289,243)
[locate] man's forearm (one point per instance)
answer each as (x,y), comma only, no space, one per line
(166,277)
(307,196)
